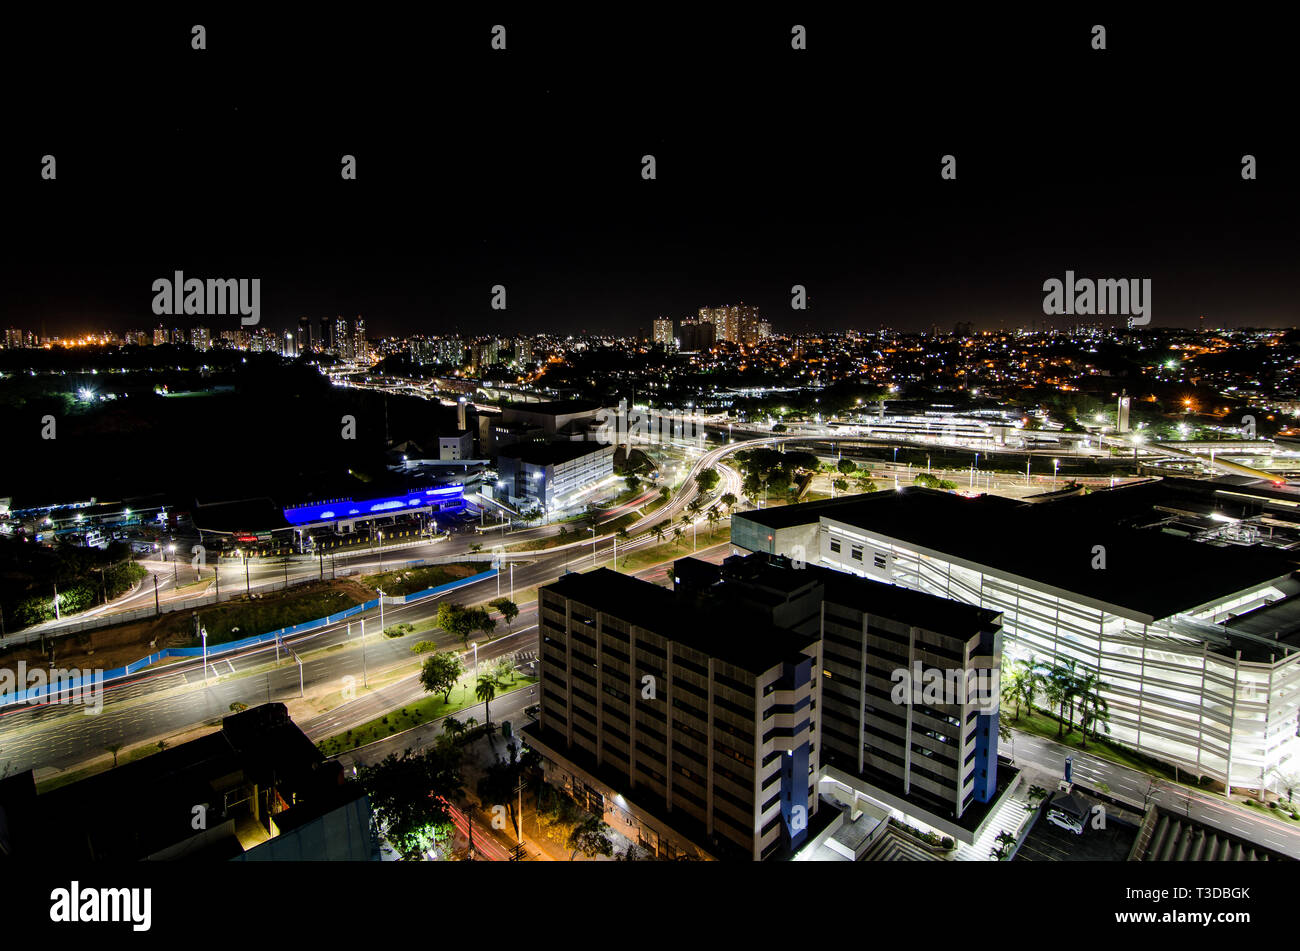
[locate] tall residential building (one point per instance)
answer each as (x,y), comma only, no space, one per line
(689,733)
(200,339)
(13,339)
(342,339)
(451,350)
(327,341)
(696,335)
(523,351)
(747,324)
(159,336)
(663,331)
(360,345)
(305,339)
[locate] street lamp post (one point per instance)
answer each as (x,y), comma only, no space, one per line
(1056,467)
(204,632)
(171,549)
(512,581)
(592,529)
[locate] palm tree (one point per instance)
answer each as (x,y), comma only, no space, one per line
(113,748)
(485,691)
(659,532)
(729,500)
(1059,691)
(712,517)
(1031,682)
(1094,709)
(1011,690)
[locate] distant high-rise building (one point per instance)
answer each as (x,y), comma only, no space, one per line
(305,338)
(663,330)
(159,336)
(696,335)
(451,350)
(360,346)
(1121,413)
(342,339)
(326,334)
(200,339)
(523,351)
(13,339)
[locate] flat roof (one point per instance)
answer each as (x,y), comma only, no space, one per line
(752,646)
(555,407)
(551,453)
(1148,574)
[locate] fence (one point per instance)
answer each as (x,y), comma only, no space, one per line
(100,677)
(210,597)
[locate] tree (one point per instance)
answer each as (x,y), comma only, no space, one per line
(423,647)
(508,609)
(1094,709)
(678,534)
(113,748)
(591,838)
(713,518)
(659,532)
(841,485)
(453,727)
(485,691)
(847,466)
(729,500)
(409,795)
(455,619)
(665,493)
(501,782)
(503,668)
(440,673)
(633,482)
(707,480)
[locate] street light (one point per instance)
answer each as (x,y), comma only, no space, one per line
(1056,467)
(171,549)
(592,529)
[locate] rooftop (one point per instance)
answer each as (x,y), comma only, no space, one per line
(752,646)
(551,453)
(1148,575)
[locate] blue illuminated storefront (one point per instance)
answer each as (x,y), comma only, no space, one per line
(447,498)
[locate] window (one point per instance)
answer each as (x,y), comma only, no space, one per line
(879,560)
(835,546)
(857,554)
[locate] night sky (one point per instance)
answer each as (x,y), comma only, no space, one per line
(775,167)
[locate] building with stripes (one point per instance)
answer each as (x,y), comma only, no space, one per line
(1181,596)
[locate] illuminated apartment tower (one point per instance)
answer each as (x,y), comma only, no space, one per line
(663,329)
(342,339)
(360,346)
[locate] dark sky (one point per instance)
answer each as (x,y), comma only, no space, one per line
(522,168)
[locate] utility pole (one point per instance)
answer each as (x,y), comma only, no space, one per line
(156,609)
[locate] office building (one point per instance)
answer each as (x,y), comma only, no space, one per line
(552,475)
(691,736)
